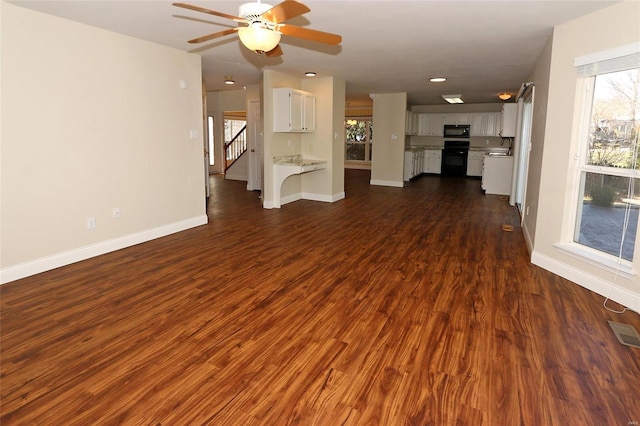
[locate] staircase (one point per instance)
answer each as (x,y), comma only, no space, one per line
(235,148)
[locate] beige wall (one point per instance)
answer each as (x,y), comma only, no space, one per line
(93,120)
(327,142)
(459,108)
(540,77)
(607,29)
(387,160)
(324,185)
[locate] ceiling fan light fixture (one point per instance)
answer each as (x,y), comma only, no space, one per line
(258,38)
(505,96)
(453,99)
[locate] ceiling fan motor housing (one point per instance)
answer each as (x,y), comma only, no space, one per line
(252,11)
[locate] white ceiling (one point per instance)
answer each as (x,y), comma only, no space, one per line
(482,47)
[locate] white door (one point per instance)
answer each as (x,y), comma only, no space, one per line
(522,148)
(254,120)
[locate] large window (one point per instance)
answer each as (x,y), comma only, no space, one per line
(609,185)
(358,139)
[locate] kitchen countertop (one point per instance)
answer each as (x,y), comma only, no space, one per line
(296,160)
(423,147)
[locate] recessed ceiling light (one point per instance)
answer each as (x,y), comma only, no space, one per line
(437,79)
(310,74)
(453,99)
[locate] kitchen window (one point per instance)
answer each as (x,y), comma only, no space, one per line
(608,179)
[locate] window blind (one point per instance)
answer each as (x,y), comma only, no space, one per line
(618,59)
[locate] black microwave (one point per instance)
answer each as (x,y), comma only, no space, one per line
(457,130)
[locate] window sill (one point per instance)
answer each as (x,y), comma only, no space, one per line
(623,268)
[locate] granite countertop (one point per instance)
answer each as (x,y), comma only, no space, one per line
(296,160)
(423,147)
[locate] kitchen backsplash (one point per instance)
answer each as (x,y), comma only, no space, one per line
(474,141)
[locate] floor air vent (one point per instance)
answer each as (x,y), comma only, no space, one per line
(626,334)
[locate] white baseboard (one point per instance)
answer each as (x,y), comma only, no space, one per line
(233,176)
(48,263)
(527,237)
(386,183)
(305,196)
(290,198)
(604,288)
(322,197)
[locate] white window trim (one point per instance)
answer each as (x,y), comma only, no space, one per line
(582,115)
(598,258)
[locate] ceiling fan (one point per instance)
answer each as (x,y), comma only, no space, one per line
(261,25)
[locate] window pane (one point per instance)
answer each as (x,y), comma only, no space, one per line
(605,207)
(614,126)
(358,139)
(355,151)
(212,156)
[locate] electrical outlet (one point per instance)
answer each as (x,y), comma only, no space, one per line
(91,223)
(116,212)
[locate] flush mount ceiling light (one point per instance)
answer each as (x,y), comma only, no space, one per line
(310,74)
(505,96)
(437,79)
(229,80)
(453,99)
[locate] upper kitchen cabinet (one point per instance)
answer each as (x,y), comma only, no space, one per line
(411,123)
(293,110)
(457,118)
(485,124)
(508,124)
(430,124)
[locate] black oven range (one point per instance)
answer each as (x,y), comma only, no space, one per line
(454,158)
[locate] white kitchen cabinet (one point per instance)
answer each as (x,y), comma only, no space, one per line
(411,123)
(450,119)
(474,163)
(485,124)
(413,163)
(408,166)
(430,124)
(457,118)
(293,110)
(496,174)
(432,161)
(463,119)
(508,122)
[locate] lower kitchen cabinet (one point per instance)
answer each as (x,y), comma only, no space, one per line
(413,164)
(474,163)
(496,174)
(432,161)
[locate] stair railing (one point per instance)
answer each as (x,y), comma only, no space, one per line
(235,148)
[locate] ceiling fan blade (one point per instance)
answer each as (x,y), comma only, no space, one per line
(286,10)
(276,51)
(309,34)
(213,35)
(209,11)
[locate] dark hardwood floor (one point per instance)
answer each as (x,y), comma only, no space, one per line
(391,307)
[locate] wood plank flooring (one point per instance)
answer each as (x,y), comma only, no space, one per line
(391,307)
